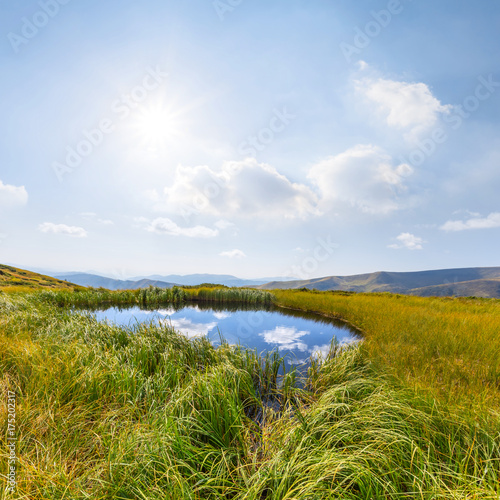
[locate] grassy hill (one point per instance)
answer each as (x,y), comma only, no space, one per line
(477,281)
(487,288)
(12,278)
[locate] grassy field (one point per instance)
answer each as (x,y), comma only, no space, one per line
(104,412)
(449,346)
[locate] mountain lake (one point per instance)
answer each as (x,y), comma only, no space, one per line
(298,335)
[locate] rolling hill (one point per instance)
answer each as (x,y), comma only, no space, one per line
(476,281)
(12,277)
(96,281)
(219,279)
(463,282)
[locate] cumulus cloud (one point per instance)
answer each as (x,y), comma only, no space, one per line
(162,225)
(488,222)
(363,176)
(408,106)
(233,254)
(11,196)
(242,188)
(74,231)
(408,241)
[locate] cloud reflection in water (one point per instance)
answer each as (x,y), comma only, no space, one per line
(286,338)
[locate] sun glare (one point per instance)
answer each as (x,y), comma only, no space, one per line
(156,126)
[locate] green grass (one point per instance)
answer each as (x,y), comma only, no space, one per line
(153,296)
(450,346)
(113,413)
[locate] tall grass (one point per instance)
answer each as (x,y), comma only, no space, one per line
(153,296)
(231,295)
(105,412)
(448,345)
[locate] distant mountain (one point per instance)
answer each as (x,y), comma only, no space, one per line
(14,277)
(475,281)
(476,288)
(96,281)
(219,279)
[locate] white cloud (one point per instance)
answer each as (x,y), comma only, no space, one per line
(243,188)
(233,254)
(489,222)
(408,106)
(362,176)
(162,225)
(11,196)
(75,231)
(287,338)
(408,241)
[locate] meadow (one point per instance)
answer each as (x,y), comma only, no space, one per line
(104,412)
(449,346)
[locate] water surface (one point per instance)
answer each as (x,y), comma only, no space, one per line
(298,335)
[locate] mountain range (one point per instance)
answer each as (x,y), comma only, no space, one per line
(463,282)
(96,281)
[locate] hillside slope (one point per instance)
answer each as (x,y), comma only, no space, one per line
(488,288)
(12,277)
(477,281)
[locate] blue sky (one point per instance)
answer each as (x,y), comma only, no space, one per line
(255,138)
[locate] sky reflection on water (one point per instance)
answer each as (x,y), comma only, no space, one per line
(299,335)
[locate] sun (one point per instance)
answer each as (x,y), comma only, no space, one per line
(155,125)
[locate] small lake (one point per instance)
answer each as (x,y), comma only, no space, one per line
(295,334)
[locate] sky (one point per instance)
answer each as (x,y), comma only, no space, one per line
(287,138)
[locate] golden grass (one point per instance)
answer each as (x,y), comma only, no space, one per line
(104,412)
(14,280)
(450,346)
